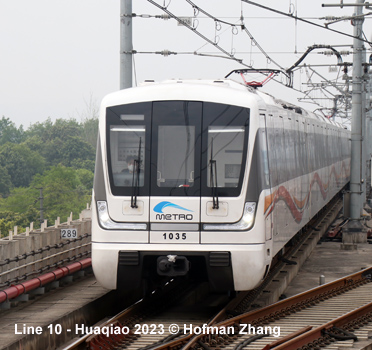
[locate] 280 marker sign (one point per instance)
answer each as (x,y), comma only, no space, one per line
(67,233)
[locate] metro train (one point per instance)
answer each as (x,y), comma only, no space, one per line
(208,179)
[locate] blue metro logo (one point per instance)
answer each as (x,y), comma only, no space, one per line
(160,206)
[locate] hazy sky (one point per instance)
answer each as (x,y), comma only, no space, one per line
(58,54)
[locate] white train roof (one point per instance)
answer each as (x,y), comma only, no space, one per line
(221,91)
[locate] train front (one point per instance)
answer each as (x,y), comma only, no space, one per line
(171,193)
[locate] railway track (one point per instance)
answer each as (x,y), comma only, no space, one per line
(320,317)
(154,329)
(148,321)
(311,320)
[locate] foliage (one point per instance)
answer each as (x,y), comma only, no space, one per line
(63,142)
(61,128)
(63,191)
(21,163)
(90,127)
(56,156)
(9,132)
(7,222)
(86,178)
(76,149)
(9,219)
(5,181)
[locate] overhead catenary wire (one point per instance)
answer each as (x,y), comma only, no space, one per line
(260,48)
(231,56)
(224,21)
(208,14)
(242,26)
(165,17)
(182,22)
(304,20)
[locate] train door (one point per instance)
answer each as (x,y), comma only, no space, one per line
(298,161)
(265,173)
(272,158)
(281,206)
(305,177)
(311,167)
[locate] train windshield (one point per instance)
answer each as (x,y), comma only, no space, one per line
(176,142)
(172,147)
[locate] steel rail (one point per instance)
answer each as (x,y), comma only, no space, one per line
(336,328)
(135,314)
(87,338)
(275,311)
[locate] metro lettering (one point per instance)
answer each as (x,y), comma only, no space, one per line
(184,217)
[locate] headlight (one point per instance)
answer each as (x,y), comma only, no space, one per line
(106,222)
(245,223)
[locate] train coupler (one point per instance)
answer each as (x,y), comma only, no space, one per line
(172,265)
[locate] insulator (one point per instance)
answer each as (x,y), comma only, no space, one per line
(165,16)
(166,53)
(328,53)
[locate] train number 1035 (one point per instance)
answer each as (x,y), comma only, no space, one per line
(174,236)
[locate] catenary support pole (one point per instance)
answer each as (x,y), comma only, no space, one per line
(364,143)
(368,139)
(126,44)
(356,121)
(354,231)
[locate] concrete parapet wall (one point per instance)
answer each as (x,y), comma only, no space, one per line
(35,240)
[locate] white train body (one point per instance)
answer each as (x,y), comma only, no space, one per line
(276,166)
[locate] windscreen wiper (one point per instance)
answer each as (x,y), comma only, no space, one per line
(136,176)
(213,179)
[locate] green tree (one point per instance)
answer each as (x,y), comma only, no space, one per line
(87,164)
(42,130)
(75,148)
(86,178)
(61,129)
(63,192)
(20,200)
(21,163)
(5,181)
(6,225)
(19,209)
(9,132)
(9,219)
(57,156)
(89,118)
(63,142)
